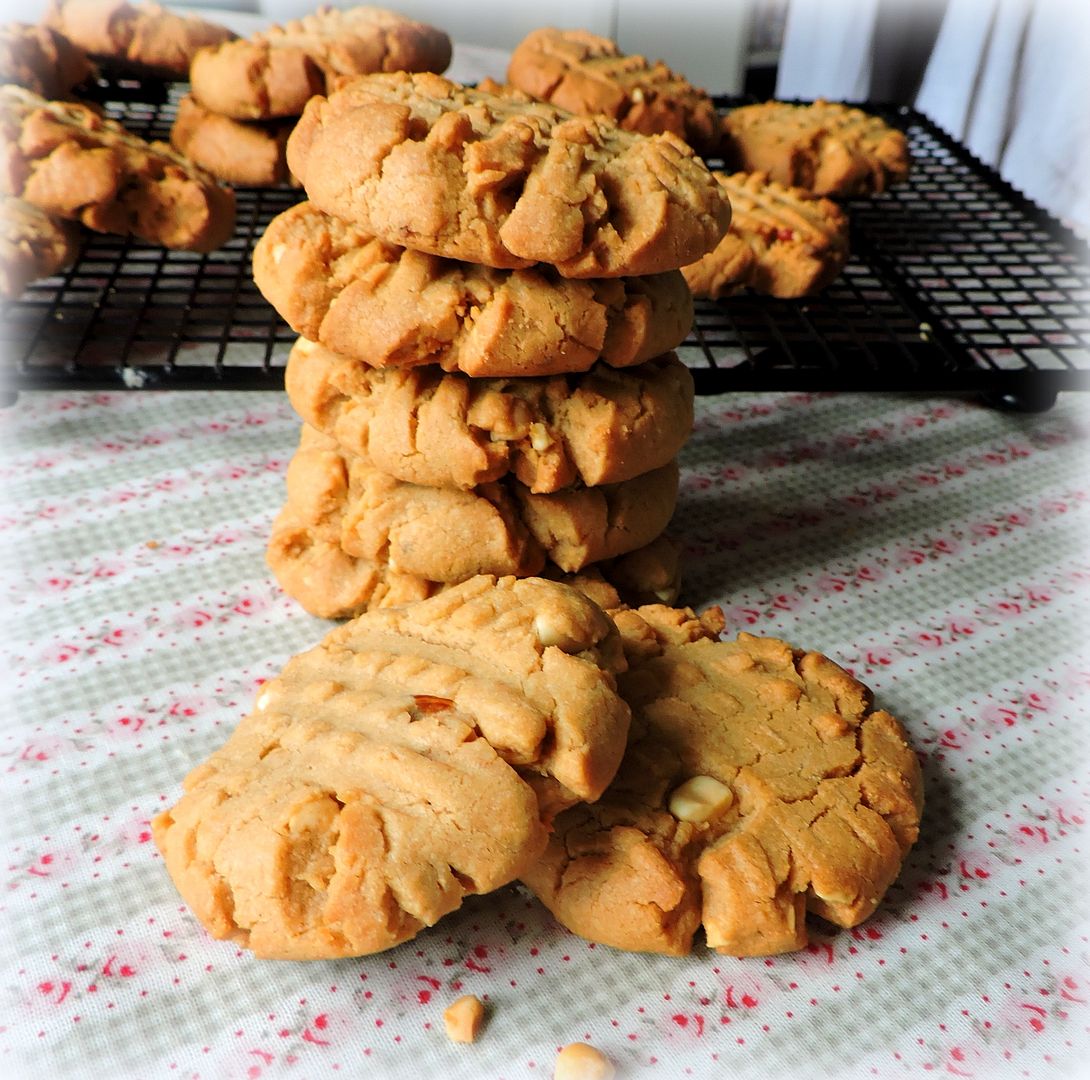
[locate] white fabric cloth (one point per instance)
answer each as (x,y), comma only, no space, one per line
(1009,78)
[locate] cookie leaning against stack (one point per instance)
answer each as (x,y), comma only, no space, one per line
(248,93)
(482,410)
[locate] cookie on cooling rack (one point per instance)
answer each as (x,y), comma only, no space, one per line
(277,71)
(41,59)
(308,835)
(783,241)
(759,783)
(247,153)
(589,75)
(824,147)
(33,245)
(430,165)
(71,162)
(141,37)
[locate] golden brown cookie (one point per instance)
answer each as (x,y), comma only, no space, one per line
(449,430)
(589,75)
(41,59)
(144,36)
(824,147)
(449,534)
(351,536)
(783,241)
(424,163)
(71,162)
(379,779)
(389,306)
(759,783)
(247,153)
(33,245)
(276,71)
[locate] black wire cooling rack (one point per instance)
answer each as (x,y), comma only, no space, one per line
(956,284)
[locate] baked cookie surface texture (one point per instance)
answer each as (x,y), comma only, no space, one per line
(589,75)
(248,154)
(33,245)
(142,36)
(427,164)
(386,306)
(71,162)
(759,783)
(386,773)
(41,59)
(824,147)
(783,241)
(428,427)
(277,70)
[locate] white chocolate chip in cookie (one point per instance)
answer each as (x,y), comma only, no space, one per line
(463,1019)
(700,799)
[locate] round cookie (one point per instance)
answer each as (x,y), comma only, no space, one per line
(824,147)
(449,430)
(278,70)
(41,60)
(589,75)
(248,154)
(783,241)
(430,165)
(388,772)
(71,162)
(449,534)
(388,306)
(33,245)
(759,783)
(144,37)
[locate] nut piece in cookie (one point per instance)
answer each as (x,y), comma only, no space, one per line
(141,37)
(430,165)
(589,75)
(824,147)
(759,783)
(71,162)
(275,72)
(388,306)
(33,245)
(379,779)
(41,59)
(783,241)
(449,430)
(248,154)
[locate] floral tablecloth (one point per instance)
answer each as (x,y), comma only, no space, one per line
(934,547)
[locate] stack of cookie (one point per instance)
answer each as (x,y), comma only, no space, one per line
(246,95)
(488,291)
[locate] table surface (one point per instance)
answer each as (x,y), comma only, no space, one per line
(935,548)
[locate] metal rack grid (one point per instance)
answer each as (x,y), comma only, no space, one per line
(957,284)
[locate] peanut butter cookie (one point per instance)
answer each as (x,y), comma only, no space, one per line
(389,306)
(41,60)
(33,245)
(759,783)
(449,430)
(71,162)
(389,772)
(448,534)
(589,75)
(277,70)
(430,165)
(143,37)
(250,154)
(783,241)
(825,147)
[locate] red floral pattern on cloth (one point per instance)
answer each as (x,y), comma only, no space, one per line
(936,549)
